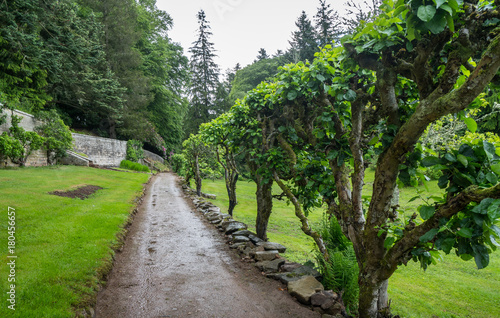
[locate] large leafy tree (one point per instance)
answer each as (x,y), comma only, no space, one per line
(250,76)
(220,134)
(204,78)
(167,68)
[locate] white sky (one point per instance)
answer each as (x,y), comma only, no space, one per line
(240,27)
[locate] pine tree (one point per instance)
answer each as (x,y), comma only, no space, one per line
(358,11)
(328,24)
(303,43)
(262,55)
(204,78)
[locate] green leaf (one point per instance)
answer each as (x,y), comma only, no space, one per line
(439,3)
(443,182)
(428,236)
(292,95)
(471,124)
(465,232)
(388,242)
(496,168)
(463,160)
(438,23)
(447,8)
(450,157)
(482,207)
(448,244)
(426,13)
(481,256)
(492,178)
(494,210)
(427,211)
(350,95)
(430,161)
(451,23)
(490,149)
(320,78)
(453,4)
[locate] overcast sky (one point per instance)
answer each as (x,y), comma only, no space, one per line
(240,27)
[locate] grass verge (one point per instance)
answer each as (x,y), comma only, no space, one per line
(63,245)
(451,289)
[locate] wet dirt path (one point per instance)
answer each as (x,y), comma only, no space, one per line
(174,264)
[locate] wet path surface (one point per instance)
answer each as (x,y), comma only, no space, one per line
(174,264)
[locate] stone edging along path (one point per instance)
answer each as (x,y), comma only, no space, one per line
(303,282)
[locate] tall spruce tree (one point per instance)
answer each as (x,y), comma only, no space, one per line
(303,43)
(358,11)
(204,78)
(262,54)
(328,24)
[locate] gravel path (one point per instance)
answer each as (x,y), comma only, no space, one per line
(174,264)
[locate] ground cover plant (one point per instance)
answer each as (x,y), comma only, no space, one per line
(63,245)
(454,288)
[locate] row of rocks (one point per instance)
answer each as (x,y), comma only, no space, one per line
(303,282)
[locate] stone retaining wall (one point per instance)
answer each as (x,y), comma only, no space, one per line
(303,282)
(153,156)
(101,151)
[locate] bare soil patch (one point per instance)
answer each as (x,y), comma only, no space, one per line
(80,193)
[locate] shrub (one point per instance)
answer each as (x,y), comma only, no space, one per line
(126,164)
(134,150)
(340,272)
(58,138)
(29,141)
(178,162)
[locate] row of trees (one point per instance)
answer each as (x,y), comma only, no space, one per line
(312,128)
(108,67)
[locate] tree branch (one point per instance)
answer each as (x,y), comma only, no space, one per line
(399,253)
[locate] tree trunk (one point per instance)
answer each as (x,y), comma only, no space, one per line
(373,297)
(264,206)
(231,192)
(197,176)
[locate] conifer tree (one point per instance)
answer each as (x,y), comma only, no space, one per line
(262,55)
(303,43)
(328,24)
(204,78)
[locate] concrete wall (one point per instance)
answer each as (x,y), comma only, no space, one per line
(101,151)
(28,122)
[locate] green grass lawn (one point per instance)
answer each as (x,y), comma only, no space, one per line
(453,288)
(63,245)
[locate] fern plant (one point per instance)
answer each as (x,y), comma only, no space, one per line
(340,271)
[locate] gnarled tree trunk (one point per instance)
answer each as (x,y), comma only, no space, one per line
(197,177)
(264,206)
(231,191)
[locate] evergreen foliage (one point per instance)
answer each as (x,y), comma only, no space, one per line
(328,25)
(204,78)
(303,43)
